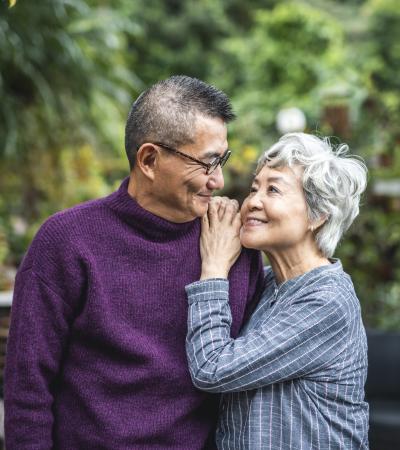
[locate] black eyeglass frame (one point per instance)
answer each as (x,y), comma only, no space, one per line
(210,167)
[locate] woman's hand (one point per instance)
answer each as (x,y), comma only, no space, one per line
(219,242)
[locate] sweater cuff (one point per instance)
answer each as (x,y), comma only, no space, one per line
(206,290)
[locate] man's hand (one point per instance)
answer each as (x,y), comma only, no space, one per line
(219,243)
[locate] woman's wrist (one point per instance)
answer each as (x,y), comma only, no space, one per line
(213,271)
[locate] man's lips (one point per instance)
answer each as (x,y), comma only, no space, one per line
(205,196)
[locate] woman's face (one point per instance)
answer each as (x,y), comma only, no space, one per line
(274,214)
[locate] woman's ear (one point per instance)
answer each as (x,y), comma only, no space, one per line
(146,159)
(317,223)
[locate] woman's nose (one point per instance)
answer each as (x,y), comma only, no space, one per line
(253,202)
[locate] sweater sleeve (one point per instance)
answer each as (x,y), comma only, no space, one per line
(256,282)
(295,342)
(39,329)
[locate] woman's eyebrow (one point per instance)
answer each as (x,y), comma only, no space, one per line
(278,180)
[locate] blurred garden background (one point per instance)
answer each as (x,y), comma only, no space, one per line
(69,70)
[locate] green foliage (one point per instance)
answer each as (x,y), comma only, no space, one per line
(182,36)
(53,56)
(65,85)
(371,253)
(371,250)
(384,19)
(69,69)
(292,56)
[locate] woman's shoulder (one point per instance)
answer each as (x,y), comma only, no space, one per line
(331,277)
(332,287)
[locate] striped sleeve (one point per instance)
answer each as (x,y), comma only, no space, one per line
(297,340)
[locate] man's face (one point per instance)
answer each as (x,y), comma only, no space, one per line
(182,190)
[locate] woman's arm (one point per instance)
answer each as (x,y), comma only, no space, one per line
(219,241)
(293,343)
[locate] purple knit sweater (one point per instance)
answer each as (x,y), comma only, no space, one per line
(96,351)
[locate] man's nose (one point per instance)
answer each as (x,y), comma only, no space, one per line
(216,179)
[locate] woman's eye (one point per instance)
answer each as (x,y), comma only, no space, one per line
(253,189)
(272,189)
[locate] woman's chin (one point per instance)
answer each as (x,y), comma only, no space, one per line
(248,242)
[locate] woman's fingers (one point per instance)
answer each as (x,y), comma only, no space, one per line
(237,222)
(222,209)
(212,213)
(234,208)
(231,209)
(205,224)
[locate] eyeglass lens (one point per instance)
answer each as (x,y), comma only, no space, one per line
(218,161)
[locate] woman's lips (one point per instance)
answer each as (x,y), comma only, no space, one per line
(254,222)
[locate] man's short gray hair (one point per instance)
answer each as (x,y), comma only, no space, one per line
(167,112)
(333,182)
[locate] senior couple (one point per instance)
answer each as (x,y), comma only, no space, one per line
(131,313)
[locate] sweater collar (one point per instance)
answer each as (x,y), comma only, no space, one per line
(145,222)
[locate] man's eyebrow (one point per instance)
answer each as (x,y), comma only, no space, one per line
(213,154)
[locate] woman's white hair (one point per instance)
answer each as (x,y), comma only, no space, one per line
(333,182)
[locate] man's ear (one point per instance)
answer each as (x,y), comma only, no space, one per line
(146,159)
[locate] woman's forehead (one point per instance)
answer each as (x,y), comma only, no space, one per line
(285,174)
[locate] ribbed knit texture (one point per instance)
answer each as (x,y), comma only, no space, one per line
(294,378)
(96,351)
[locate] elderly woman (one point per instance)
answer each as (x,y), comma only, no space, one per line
(294,378)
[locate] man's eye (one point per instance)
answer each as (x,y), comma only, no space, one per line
(272,189)
(214,162)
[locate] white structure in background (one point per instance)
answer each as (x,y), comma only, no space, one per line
(389,188)
(6,299)
(290,120)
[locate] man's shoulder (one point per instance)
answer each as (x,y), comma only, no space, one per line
(75,217)
(67,228)
(248,254)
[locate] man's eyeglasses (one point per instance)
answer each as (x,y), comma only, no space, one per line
(210,167)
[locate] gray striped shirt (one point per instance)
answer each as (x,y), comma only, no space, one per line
(294,378)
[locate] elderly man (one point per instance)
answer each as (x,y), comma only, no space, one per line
(96,351)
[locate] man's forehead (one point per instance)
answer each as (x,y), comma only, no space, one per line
(210,124)
(209,138)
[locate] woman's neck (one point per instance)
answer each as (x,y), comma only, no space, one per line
(290,263)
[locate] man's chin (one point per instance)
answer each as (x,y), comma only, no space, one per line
(203,198)
(200,210)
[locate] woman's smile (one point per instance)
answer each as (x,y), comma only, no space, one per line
(251,221)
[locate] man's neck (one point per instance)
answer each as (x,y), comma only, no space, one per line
(140,189)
